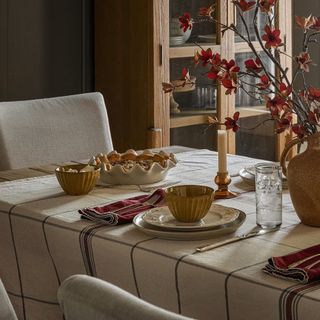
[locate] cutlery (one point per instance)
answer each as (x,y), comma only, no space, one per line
(250,234)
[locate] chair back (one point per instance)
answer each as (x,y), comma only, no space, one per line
(6,309)
(82,297)
(43,131)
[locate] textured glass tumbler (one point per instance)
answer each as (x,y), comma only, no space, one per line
(268,195)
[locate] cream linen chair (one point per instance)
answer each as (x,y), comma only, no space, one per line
(35,132)
(82,297)
(6,309)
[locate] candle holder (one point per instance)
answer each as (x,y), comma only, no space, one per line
(222,180)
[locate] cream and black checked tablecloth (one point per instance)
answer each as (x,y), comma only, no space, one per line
(43,241)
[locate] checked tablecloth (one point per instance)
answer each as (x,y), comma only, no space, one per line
(43,241)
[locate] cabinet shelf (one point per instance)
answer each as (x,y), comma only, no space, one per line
(189,51)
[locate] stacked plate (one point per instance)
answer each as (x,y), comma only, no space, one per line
(160,222)
(208,38)
(176,40)
(248,175)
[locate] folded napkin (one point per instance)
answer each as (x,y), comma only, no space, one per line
(123,211)
(302,266)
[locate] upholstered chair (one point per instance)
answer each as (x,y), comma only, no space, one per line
(44,131)
(82,297)
(6,309)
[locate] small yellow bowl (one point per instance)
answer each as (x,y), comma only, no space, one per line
(74,182)
(189,203)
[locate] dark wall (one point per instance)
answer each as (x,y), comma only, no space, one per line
(45,48)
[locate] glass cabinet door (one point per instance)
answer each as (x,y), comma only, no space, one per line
(191,104)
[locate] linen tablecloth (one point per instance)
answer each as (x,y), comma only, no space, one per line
(43,241)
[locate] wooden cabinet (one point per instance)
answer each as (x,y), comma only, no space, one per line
(137,48)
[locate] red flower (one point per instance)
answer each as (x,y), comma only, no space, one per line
(316,23)
(213,74)
(185,22)
(271,37)
(232,123)
(244,5)
(185,74)
(230,66)
(299,130)
(276,105)
(229,85)
(305,22)
(284,122)
(205,56)
(254,65)
(206,11)
(265,82)
(285,91)
(313,116)
(266,5)
(313,94)
(303,59)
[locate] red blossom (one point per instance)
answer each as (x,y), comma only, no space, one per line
(185,74)
(303,59)
(271,37)
(285,90)
(185,22)
(205,56)
(276,105)
(229,85)
(313,116)
(232,123)
(264,82)
(244,5)
(305,22)
(314,94)
(254,65)
(299,130)
(213,74)
(316,23)
(266,5)
(284,122)
(206,11)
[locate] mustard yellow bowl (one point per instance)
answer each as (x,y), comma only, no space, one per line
(189,203)
(77,179)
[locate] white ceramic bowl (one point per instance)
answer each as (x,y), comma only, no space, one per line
(136,175)
(175,30)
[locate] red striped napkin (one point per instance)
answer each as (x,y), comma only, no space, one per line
(123,211)
(302,266)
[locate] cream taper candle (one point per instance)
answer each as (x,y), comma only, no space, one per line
(222,151)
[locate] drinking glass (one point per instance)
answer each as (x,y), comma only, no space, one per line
(268,182)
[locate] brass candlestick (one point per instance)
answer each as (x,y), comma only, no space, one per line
(222,180)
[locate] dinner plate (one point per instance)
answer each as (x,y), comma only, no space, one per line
(229,227)
(164,220)
(248,175)
(210,38)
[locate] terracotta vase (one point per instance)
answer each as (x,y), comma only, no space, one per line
(303,175)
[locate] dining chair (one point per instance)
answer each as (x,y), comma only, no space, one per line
(6,309)
(43,131)
(83,297)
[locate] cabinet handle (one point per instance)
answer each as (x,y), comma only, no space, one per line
(160,54)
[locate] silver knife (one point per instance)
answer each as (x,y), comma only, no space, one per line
(235,239)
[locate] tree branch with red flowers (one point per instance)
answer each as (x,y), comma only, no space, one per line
(279,94)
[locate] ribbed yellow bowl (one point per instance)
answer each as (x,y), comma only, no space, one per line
(77,183)
(189,203)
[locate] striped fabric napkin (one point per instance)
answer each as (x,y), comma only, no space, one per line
(123,211)
(302,266)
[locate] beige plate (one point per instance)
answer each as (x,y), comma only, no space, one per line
(194,235)
(163,219)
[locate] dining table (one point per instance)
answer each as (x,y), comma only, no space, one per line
(44,240)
